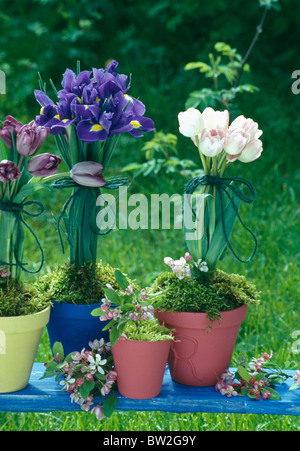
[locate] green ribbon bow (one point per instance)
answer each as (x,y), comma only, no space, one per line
(17,210)
(224,186)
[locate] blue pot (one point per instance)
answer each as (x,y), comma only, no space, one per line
(74,326)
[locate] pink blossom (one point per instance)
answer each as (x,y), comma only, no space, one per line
(188,256)
(267,356)
(105,390)
(4,273)
(112,376)
(129,290)
(79,382)
(89,377)
(266,394)
(168,261)
(98,411)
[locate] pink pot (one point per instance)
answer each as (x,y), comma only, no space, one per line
(140,366)
(202,350)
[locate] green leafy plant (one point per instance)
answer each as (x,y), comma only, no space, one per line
(130,306)
(256,379)
(217,70)
(161,155)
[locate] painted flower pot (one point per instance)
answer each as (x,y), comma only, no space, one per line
(140,366)
(74,326)
(202,350)
(19,340)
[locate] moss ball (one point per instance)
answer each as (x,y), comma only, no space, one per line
(217,292)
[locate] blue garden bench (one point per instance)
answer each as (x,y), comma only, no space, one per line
(45,395)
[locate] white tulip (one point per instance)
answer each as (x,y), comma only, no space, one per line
(211,142)
(251,152)
(215,120)
(235,141)
(190,122)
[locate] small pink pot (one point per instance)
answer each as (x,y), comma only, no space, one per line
(140,366)
(202,350)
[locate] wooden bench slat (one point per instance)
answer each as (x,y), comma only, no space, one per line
(46,396)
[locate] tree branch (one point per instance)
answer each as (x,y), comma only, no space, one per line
(259,30)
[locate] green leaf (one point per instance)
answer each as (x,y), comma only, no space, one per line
(294,386)
(112,296)
(97,312)
(58,350)
(132,167)
(111,323)
(116,332)
(203,67)
(110,404)
(121,280)
(86,388)
(218,242)
(244,373)
(114,335)
(29,189)
(242,359)
(275,396)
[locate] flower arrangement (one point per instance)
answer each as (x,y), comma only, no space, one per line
(92,111)
(256,379)
(87,375)
(22,173)
(130,313)
(215,199)
(213,203)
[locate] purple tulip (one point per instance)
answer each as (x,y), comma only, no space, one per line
(43,165)
(10,124)
(8,171)
(30,138)
(88,173)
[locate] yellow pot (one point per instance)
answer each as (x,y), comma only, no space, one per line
(19,340)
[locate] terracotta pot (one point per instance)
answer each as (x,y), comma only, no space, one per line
(19,340)
(202,350)
(140,366)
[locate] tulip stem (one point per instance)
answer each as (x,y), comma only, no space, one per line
(49,178)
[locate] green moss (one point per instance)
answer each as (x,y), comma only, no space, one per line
(216,293)
(17,299)
(83,286)
(149,330)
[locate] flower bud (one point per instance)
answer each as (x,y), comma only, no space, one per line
(43,165)
(30,138)
(8,171)
(9,125)
(88,173)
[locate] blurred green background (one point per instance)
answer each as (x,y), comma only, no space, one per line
(154,40)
